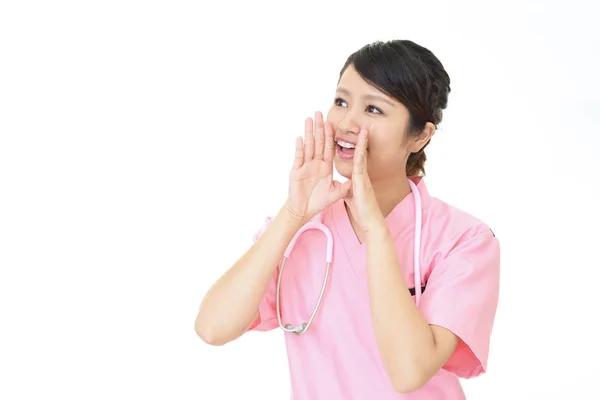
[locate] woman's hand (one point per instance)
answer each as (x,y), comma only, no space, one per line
(362,200)
(312,187)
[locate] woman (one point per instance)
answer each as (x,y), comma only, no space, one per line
(369,339)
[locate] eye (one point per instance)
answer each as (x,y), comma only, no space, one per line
(374,110)
(340,102)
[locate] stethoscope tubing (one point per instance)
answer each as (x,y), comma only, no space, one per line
(317,224)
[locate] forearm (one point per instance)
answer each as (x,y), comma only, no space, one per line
(232,302)
(404,338)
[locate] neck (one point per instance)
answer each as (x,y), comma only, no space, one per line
(390,192)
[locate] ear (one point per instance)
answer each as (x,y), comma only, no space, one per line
(424,138)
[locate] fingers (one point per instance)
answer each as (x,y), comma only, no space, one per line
(360,154)
(309,140)
(319,136)
(314,138)
(299,158)
(329,152)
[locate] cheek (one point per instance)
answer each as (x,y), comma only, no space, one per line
(384,141)
(334,115)
(385,146)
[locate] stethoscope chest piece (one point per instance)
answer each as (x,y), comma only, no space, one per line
(298,330)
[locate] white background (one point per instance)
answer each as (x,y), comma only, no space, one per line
(143,143)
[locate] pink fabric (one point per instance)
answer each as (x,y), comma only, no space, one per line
(338,357)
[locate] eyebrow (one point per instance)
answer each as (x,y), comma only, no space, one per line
(371,97)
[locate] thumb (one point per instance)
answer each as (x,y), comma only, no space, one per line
(339,190)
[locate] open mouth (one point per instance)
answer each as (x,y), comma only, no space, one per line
(345,148)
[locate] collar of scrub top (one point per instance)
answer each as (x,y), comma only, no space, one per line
(317,223)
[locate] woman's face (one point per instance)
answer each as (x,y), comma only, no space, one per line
(359,104)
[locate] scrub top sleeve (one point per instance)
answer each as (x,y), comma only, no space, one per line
(462,296)
(267,318)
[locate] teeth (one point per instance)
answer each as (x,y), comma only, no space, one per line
(345,144)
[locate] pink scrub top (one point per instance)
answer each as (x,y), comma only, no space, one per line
(338,357)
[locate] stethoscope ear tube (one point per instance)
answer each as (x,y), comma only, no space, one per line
(417,241)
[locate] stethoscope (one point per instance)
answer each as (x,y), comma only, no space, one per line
(317,223)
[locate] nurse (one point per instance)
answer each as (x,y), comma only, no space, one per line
(369,339)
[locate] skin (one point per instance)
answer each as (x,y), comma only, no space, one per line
(412,350)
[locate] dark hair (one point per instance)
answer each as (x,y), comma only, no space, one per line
(414,76)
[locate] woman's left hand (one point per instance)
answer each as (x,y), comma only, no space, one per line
(361,199)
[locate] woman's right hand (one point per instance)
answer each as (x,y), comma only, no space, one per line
(312,187)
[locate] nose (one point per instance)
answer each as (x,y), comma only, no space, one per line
(350,122)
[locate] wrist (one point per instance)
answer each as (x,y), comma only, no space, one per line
(377,229)
(291,216)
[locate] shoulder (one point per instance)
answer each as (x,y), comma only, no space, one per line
(462,251)
(450,225)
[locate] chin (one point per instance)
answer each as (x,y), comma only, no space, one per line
(343,167)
